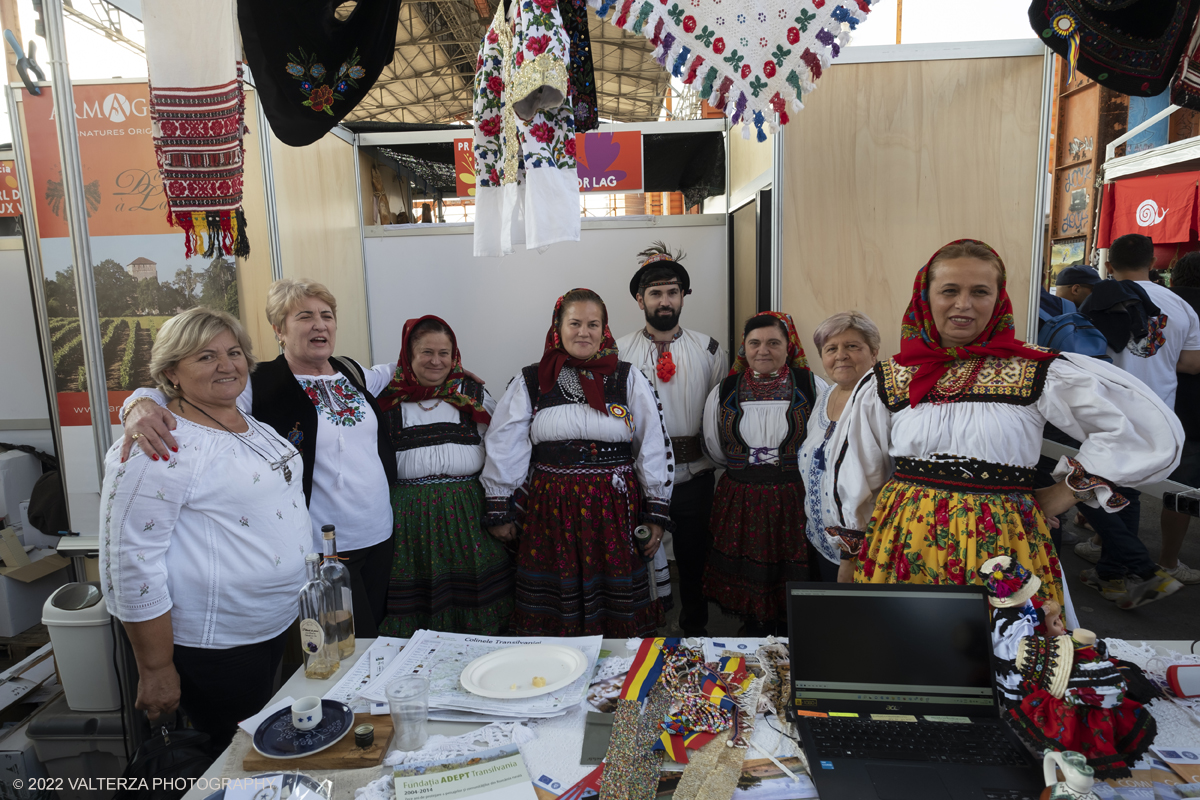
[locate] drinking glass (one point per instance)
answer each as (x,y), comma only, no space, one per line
(408,703)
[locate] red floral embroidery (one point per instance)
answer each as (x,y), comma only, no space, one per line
(746,71)
(321,96)
(689,23)
(546,5)
(490,126)
(769,69)
(569,147)
(520,59)
(494,176)
(493,37)
(719,46)
(537,45)
(495,84)
(542,132)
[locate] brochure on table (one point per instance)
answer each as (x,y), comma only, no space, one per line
(372,664)
(441,657)
(497,774)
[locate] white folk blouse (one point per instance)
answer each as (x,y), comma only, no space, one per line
(215,536)
(1129,437)
(441,459)
(700,364)
(515,430)
(349,489)
(818,474)
(763,427)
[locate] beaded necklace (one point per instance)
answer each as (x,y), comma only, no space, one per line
(957,382)
(775,386)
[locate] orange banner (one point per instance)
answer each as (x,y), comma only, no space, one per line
(464,167)
(120,174)
(609,162)
(75,409)
(10,196)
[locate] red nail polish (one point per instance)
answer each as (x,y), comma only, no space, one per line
(174,449)
(154,457)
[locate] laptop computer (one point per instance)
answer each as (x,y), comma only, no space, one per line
(894,695)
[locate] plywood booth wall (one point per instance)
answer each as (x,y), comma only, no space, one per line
(888,162)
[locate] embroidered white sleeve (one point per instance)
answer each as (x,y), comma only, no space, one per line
(655,464)
(866,464)
(1129,436)
(508,445)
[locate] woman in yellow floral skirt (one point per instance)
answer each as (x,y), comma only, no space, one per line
(936,475)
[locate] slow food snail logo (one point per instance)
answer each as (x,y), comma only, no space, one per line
(1148,214)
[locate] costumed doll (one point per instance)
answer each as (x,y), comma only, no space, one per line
(1061,690)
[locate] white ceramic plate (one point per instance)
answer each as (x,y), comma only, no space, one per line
(495,674)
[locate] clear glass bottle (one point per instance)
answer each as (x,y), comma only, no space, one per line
(335,573)
(318,633)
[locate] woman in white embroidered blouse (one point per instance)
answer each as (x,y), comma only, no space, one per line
(754,423)
(590,427)
(848,344)
(942,439)
(448,574)
(325,406)
(202,559)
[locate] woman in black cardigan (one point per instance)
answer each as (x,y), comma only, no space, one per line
(325,406)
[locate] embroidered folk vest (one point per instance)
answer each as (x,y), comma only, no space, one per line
(1017,381)
(615,388)
(737,452)
(465,431)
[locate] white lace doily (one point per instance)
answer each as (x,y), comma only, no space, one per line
(1178,718)
(611,667)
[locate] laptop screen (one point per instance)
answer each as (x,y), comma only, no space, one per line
(913,650)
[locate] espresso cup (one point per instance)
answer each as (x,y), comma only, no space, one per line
(306,713)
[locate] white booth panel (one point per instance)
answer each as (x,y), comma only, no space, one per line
(500,308)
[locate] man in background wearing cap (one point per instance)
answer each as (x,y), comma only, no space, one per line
(684,366)
(1074,284)
(1123,564)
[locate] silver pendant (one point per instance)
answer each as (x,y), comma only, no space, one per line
(287,474)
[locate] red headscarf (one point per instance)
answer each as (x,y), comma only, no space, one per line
(405,388)
(795,352)
(592,370)
(921,345)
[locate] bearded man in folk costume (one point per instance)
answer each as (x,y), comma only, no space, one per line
(683,366)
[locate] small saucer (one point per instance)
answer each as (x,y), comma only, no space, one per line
(277,737)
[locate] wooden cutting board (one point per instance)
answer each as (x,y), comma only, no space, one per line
(343,755)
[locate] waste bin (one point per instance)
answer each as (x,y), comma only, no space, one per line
(81,748)
(81,631)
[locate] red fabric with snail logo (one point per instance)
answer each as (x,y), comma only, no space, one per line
(1162,207)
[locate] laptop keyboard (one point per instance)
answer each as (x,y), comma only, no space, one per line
(981,742)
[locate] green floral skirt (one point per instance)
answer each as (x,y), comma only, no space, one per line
(448,573)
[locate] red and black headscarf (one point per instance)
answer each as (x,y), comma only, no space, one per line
(405,388)
(795,351)
(592,371)
(920,343)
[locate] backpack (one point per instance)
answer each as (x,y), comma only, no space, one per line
(1073,333)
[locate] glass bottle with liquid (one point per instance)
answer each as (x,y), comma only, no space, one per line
(335,573)
(318,631)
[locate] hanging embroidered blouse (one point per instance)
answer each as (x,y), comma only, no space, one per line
(527,185)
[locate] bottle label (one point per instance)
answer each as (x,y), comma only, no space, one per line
(312,636)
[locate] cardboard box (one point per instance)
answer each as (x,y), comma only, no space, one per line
(26,580)
(19,471)
(18,759)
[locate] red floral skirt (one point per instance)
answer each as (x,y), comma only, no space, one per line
(758,546)
(1112,739)
(578,570)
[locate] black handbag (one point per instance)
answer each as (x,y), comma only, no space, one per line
(166,764)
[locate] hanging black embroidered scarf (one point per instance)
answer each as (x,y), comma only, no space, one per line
(1129,46)
(310,68)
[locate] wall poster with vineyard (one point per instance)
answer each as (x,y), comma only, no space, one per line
(142,278)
